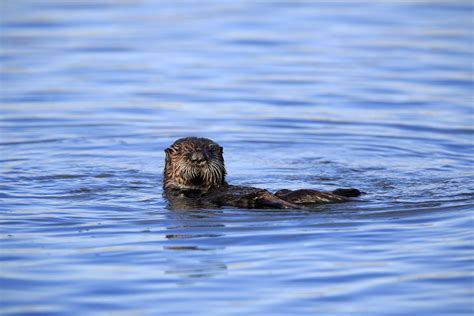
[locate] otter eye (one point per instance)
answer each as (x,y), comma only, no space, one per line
(213,146)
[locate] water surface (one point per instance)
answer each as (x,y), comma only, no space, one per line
(312,94)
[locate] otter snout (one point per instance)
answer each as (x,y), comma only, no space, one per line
(199,156)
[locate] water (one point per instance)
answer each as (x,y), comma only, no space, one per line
(313,94)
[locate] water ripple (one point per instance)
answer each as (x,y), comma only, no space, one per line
(373,95)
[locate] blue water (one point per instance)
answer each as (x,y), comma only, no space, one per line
(301,94)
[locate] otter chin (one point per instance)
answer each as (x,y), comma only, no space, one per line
(195,172)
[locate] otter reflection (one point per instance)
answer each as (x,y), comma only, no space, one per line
(194,176)
(200,264)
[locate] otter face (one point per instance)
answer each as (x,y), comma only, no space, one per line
(194,163)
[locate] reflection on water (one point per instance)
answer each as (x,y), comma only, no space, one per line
(373,95)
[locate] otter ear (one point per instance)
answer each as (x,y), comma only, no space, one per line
(168,152)
(221,152)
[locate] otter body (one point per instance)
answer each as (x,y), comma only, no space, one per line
(194,174)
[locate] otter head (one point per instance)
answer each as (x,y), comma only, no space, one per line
(194,164)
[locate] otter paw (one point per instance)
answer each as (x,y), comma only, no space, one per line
(263,198)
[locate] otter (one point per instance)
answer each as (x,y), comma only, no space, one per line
(194,174)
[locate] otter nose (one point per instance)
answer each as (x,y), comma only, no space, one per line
(198,156)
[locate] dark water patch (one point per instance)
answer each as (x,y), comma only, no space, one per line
(104,175)
(43,97)
(256,42)
(32,142)
(87,190)
(54,177)
(11,160)
(42,24)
